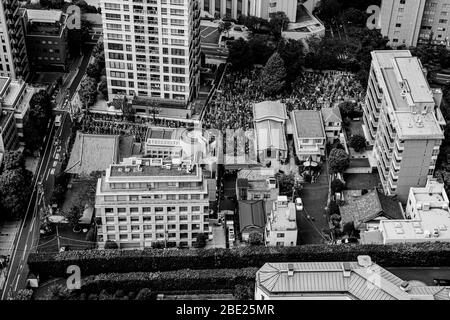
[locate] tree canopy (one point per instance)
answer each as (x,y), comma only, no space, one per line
(273,77)
(338,160)
(357,142)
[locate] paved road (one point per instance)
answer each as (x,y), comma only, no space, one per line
(314,196)
(28,236)
(426,275)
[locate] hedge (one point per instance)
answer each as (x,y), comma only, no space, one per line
(149,260)
(180,280)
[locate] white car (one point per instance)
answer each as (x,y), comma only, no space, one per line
(298,204)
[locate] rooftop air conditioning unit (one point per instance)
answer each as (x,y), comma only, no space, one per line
(436,233)
(426,206)
(119,169)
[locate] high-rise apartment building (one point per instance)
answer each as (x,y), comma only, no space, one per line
(143,201)
(402,120)
(13,53)
(152,48)
(411,22)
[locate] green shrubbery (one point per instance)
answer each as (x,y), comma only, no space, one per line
(93,262)
(180,280)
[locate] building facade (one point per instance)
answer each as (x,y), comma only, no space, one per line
(143,201)
(256,8)
(15,96)
(403,121)
(281,227)
(152,48)
(332,121)
(413,22)
(46,38)
(13,53)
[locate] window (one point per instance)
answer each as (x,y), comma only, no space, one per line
(183,209)
(110,228)
(109,220)
(123,237)
(122,219)
(147,235)
(109,210)
(123,228)
(134,210)
(134,219)
(146,210)
(398,25)
(443,21)
(146,219)
(159,209)
(147,227)
(159,218)
(135,228)
(280,235)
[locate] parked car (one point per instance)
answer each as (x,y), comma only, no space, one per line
(298,204)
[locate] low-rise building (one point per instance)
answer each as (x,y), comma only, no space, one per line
(252,217)
(366,211)
(46,37)
(270,138)
(143,201)
(332,121)
(361,280)
(429,217)
(309,134)
(257,184)
(281,226)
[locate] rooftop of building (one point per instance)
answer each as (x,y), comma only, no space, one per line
(411,96)
(269,110)
(364,208)
(93,152)
(13,93)
(152,167)
(308,123)
(45,16)
(305,21)
(331,115)
(270,135)
(251,214)
(163,133)
(362,280)
(283,215)
(433,193)
(256,174)
(432,225)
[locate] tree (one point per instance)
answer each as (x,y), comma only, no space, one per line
(73,215)
(285,183)
(278,22)
(90,235)
(327,10)
(13,160)
(201,240)
(337,185)
(145,294)
(357,142)
(93,71)
(347,108)
(242,292)
(354,17)
(111,245)
(273,77)
(88,92)
(225,27)
(42,98)
(333,208)
(103,88)
(255,239)
(240,55)
(336,220)
(14,191)
(98,49)
(57,292)
(292,53)
(338,160)
(349,228)
(24,294)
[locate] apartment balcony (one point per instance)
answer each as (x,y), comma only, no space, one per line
(400,146)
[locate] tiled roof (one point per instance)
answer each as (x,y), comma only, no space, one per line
(362,209)
(308,123)
(331,114)
(93,152)
(370,282)
(251,214)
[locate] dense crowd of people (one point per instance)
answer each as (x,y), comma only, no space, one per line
(316,90)
(117,125)
(231,108)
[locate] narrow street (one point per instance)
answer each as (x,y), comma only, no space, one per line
(314,196)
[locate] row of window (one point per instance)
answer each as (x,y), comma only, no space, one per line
(148,210)
(149,236)
(146,227)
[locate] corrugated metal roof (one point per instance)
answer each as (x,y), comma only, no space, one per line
(363,283)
